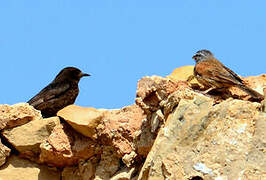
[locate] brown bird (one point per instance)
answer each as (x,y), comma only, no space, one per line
(212,74)
(62,91)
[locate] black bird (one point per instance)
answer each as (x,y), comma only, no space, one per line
(62,91)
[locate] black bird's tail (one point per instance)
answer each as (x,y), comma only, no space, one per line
(251,92)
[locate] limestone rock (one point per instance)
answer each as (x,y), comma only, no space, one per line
(28,137)
(84,120)
(128,159)
(211,142)
(119,128)
(108,165)
(145,139)
(4,153)
(65,147)
(17,114)
(152,90)
(181,73)
(84,171)
(263,103)
(21,169)
(125,174)
(148,131)
(185,74)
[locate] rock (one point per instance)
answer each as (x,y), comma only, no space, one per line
(109,164)
(17,114)
(21,169)
(65,147)
(177,128)
(149,128)
(145,139)
(124,174)
(182,73)
(4,153)
(128,159)
(84,170)
(209,142)
(119,128)
(186,74)
(27,138)
(157,118)
(152,90)
(71,173)
(173,99)
(263,103)
(84,120)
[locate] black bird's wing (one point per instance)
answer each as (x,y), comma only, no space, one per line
(49,92)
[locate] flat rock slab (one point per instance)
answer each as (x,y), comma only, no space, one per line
(17,114)
(21,169)
(83,119)
(28,137)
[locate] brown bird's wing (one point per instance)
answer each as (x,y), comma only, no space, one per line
(216,71)
(49,92)
(233,74)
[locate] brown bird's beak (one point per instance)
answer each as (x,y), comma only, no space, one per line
(83,74)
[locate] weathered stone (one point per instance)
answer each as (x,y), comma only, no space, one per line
(157,118)
(84,171)
(124,174)
(152,90)
(128,159)
(119,128)
(4,153)
(65,147)
(82,119)
(263,103)
(181,73)
(145,139)
(173,99)
(17,114)
(21,169)
(108,165)
(149,128)
(185,74)
(211,142)
(28,137)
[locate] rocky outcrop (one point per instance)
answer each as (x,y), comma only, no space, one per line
(212,142)
(173,131)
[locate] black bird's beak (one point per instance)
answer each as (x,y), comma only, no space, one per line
(83,74)
(194,57)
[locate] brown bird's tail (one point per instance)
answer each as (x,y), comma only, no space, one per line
(251,92)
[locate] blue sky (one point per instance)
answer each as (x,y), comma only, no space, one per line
(120,41)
